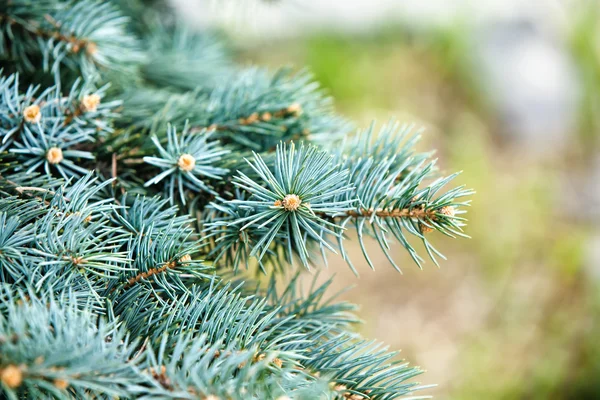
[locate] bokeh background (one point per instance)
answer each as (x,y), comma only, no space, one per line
(510,93)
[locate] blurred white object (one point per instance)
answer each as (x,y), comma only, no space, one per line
(531,81)
(296,17)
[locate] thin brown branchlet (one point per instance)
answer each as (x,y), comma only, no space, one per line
(74,44)
(154,271)
(294,110)
(160,375)
(418,213)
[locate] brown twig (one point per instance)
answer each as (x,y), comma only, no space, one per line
(33,28)
(149,273)
(416,212)
(293,110)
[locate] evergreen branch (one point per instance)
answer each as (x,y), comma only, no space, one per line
(50,348)
(79,249)
(358,369)
(55,148)
(303,183)
(317,316)
(139,214)
(392,142)
(187,161)
(363,370)
(152,271)
(252,110)
(397,194)
(221,313)
(199,368)
(417,213)
(82,35)
(293,110)
(227,245)
(50,127)
(33,28)
(185,60)
(289,209)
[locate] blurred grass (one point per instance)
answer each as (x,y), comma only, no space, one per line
(512,314)
(584,38)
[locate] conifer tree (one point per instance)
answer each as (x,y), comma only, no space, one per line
(144,178)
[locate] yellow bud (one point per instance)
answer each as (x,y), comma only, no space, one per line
(11,376)
(291,202)
(32,113)
(252,118)
(77,260)
(186,162)
(425,229)
(90,102)
(54,155)
(448,210)
(61,384)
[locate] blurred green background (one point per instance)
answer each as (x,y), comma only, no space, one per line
(514,312)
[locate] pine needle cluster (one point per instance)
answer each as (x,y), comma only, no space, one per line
(143,174)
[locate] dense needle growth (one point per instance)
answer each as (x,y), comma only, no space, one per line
(142,173)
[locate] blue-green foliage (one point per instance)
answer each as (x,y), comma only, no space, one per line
(36,144)
(57,348)
(312,179)
(391,179)
(139,169)
(180,58)
(81,35)
(205,154)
